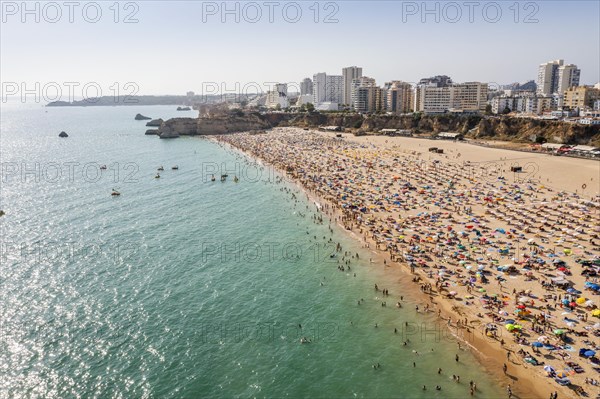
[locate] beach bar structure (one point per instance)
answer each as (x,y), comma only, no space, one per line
(450,136)
(585,150)
(331,128)
(396,132)
(552,147)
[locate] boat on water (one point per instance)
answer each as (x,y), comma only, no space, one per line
(157,176)
(213,178)
(160,168)
(235,179)
(223,177)
(176,167)
(115,193)
(103,167)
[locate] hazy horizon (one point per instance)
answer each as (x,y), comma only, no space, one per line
(176,47)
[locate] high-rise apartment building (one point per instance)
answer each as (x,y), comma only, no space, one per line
(348,75)
(306,86)
(547,82)
(568,76)
(327,88)
(399,97)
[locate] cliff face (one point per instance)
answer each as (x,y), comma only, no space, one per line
(473,126)
(232,124)
(176,127)
(521,129)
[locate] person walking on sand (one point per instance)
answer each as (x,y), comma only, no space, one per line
(505,368)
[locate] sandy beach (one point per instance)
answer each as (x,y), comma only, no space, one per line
(508,258)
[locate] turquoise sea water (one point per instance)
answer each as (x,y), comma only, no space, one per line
(187,288)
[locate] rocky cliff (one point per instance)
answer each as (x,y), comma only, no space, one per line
(224,124)
(472,126)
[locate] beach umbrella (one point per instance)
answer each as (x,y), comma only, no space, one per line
(580,300)
(510,327)
(558,331)
(537,345)
(509,321)
(562,374)
(549,369)
(563,381)
(596,312)
(542,338)
(589,353)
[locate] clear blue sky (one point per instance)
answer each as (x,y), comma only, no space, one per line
(175,46)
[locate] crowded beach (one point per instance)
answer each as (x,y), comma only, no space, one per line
(513,252)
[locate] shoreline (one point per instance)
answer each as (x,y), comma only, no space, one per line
(490,356)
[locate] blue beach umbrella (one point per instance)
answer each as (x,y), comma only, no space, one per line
(537,344)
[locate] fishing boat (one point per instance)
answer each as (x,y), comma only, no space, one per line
(157,176)
(115,193)
(160,168)
(213,178)
(176,167)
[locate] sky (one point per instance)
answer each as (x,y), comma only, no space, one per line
(161,47)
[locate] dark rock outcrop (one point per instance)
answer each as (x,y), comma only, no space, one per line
(63,134)
(151,132)
(140,117)
(175,127)
(155,122)
(184,109)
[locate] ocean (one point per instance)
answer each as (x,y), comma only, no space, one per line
(183,287)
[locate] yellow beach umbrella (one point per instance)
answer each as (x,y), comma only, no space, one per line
(596,312)
(580,301)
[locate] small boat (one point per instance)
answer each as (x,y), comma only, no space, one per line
(175,167)
(223,177)
(115,193)
(103,167)
(160,168)
(235,179)
(157,176)
(212,178)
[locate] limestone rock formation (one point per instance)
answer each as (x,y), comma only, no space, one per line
(155,122)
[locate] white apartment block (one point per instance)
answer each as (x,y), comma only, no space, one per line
(277,97)
(469,96)
(568,76)
(327,88)
(348,75)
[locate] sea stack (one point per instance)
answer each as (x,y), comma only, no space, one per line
(63,134)
(140,117)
